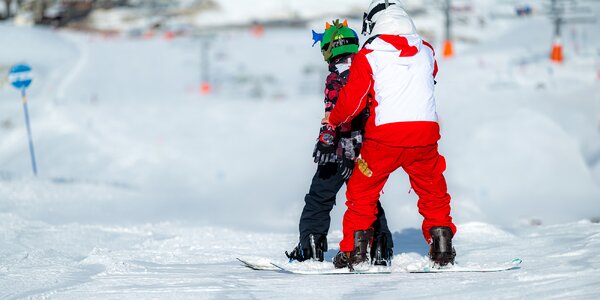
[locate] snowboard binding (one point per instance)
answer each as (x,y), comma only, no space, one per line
(362,239)
(441,251)
(315,250)
(381,255)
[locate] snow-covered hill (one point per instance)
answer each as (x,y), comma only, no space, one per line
(148,189)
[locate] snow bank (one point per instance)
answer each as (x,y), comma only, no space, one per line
(526,166)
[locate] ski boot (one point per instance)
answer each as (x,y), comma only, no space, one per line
(317,246)
(441,251)
(362,238)
(381,255)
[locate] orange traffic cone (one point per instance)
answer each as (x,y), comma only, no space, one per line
(258,30)
(169,35)
(148,35)
(448,49)
(205,88)
(557,53)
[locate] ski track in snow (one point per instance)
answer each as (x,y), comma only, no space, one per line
(150,191)
(76,69)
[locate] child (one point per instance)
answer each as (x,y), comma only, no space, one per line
(335,152)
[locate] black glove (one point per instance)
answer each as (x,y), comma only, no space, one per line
(325,147)
(347,153)
(346,167)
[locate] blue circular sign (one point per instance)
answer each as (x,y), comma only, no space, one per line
(20,76)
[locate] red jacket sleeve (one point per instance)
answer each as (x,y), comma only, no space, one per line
(435,65)
(353,97)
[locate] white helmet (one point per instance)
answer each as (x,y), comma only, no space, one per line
(387,17)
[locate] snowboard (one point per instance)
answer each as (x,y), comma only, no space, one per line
(258,264)
(327,268)
(512,265)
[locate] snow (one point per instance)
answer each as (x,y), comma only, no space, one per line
(148,189)
(244,12)
(172,260)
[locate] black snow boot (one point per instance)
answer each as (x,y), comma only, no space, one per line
(341,260)
(381,255)
(362,239)
(315,250)
(441,251)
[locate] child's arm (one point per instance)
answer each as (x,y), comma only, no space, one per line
(333,86)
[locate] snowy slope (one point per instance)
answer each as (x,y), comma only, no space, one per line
(245,12)
(170,260)
(149,190)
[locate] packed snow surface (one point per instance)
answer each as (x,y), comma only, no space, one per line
(148,189)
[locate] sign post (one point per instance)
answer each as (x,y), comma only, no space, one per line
(20,77)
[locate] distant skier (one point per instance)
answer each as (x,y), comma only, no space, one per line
(335,152)
(396,69)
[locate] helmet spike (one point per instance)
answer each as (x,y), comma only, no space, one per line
(345,23)
(327,25)
(317,37)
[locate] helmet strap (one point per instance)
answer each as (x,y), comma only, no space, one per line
(368,23)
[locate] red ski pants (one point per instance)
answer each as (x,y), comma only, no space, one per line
(424,166)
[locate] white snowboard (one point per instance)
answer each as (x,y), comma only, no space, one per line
(327,268)
(259,264)
(512,265)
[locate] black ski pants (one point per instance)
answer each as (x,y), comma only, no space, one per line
(320,200)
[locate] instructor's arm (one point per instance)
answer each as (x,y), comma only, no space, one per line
(353,97)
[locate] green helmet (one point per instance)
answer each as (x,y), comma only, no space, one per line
(338,39)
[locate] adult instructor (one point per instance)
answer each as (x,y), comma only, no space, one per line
(395,68)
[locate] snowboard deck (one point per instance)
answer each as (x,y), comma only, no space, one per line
(512,265)
(258,265)
(326,268)
(330,270)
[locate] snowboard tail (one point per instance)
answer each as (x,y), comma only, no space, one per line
(512,265)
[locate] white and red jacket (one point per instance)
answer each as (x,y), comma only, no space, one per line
(394,75)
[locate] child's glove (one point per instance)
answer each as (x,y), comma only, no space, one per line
(346,150)
(346,166)
(325,147)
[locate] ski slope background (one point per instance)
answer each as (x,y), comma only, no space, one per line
(148,189)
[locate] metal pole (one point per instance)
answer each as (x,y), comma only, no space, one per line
(31,149)
(448,48)
(205,60)
(447,20)
(205,78)
(557,19)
